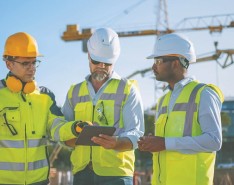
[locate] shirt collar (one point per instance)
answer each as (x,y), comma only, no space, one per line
(182,83)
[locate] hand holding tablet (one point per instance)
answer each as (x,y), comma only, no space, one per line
(88,132)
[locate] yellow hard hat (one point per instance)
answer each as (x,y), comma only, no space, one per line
(21,44)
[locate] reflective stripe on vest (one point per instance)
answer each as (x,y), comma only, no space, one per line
(119,97)
(105,162)
(11,144)
(13,166)
(189,107)
(162,110)
(77,99)
(20,144)
(37,164)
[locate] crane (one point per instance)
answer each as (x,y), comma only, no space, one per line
(227,54)
(213,23)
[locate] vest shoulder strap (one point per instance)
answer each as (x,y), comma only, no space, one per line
(217,90)
(54,108)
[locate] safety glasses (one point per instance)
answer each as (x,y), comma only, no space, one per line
(101,115)
(27,65)
(160,60)
(94,62)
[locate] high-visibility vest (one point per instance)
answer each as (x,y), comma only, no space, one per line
(105,162)
(172,167)
(24,124)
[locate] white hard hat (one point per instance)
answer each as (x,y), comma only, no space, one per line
(104,46)
(174,44)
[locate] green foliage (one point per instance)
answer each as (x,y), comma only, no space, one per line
(226,119)
(149,124)
(144,159)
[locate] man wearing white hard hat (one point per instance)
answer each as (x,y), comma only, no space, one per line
(105,99)
(188,128)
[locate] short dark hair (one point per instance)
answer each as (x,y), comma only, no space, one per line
(7,57)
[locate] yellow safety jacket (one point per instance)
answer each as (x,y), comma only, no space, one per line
(26,123)
(111,102)
(172,167)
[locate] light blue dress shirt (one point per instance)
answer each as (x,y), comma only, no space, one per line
(209,118)
(133,111)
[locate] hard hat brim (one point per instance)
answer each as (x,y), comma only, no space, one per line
(101,59)
(40,55)
(151,56)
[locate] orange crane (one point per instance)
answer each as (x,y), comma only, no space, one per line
(213,23)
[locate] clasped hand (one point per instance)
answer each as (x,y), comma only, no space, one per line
(151,143)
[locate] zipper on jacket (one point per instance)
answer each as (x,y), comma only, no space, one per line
(91,146)
(26,151)
(31,120)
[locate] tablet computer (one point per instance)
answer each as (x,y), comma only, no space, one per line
(88,132)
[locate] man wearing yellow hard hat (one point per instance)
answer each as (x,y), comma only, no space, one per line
(28,116)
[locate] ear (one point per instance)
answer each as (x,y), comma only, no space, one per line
(9,65)
(89,58)
(178,64)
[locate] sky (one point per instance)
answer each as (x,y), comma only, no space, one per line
(64,63)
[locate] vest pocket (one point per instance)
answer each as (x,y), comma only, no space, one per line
(83,111)
(9,121)
(181,168)
(110,158)
(160,125)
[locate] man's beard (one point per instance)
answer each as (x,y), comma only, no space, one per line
(99,76)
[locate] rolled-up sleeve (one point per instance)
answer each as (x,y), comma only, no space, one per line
(133,117)
(68,111)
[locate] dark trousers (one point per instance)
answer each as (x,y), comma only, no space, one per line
(88,177)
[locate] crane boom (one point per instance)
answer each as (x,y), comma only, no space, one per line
(73,33)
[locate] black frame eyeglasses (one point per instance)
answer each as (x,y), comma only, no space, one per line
(101,115)
(160,60)
(27,65)
(94,62)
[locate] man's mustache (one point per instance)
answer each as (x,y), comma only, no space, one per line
(101,70)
